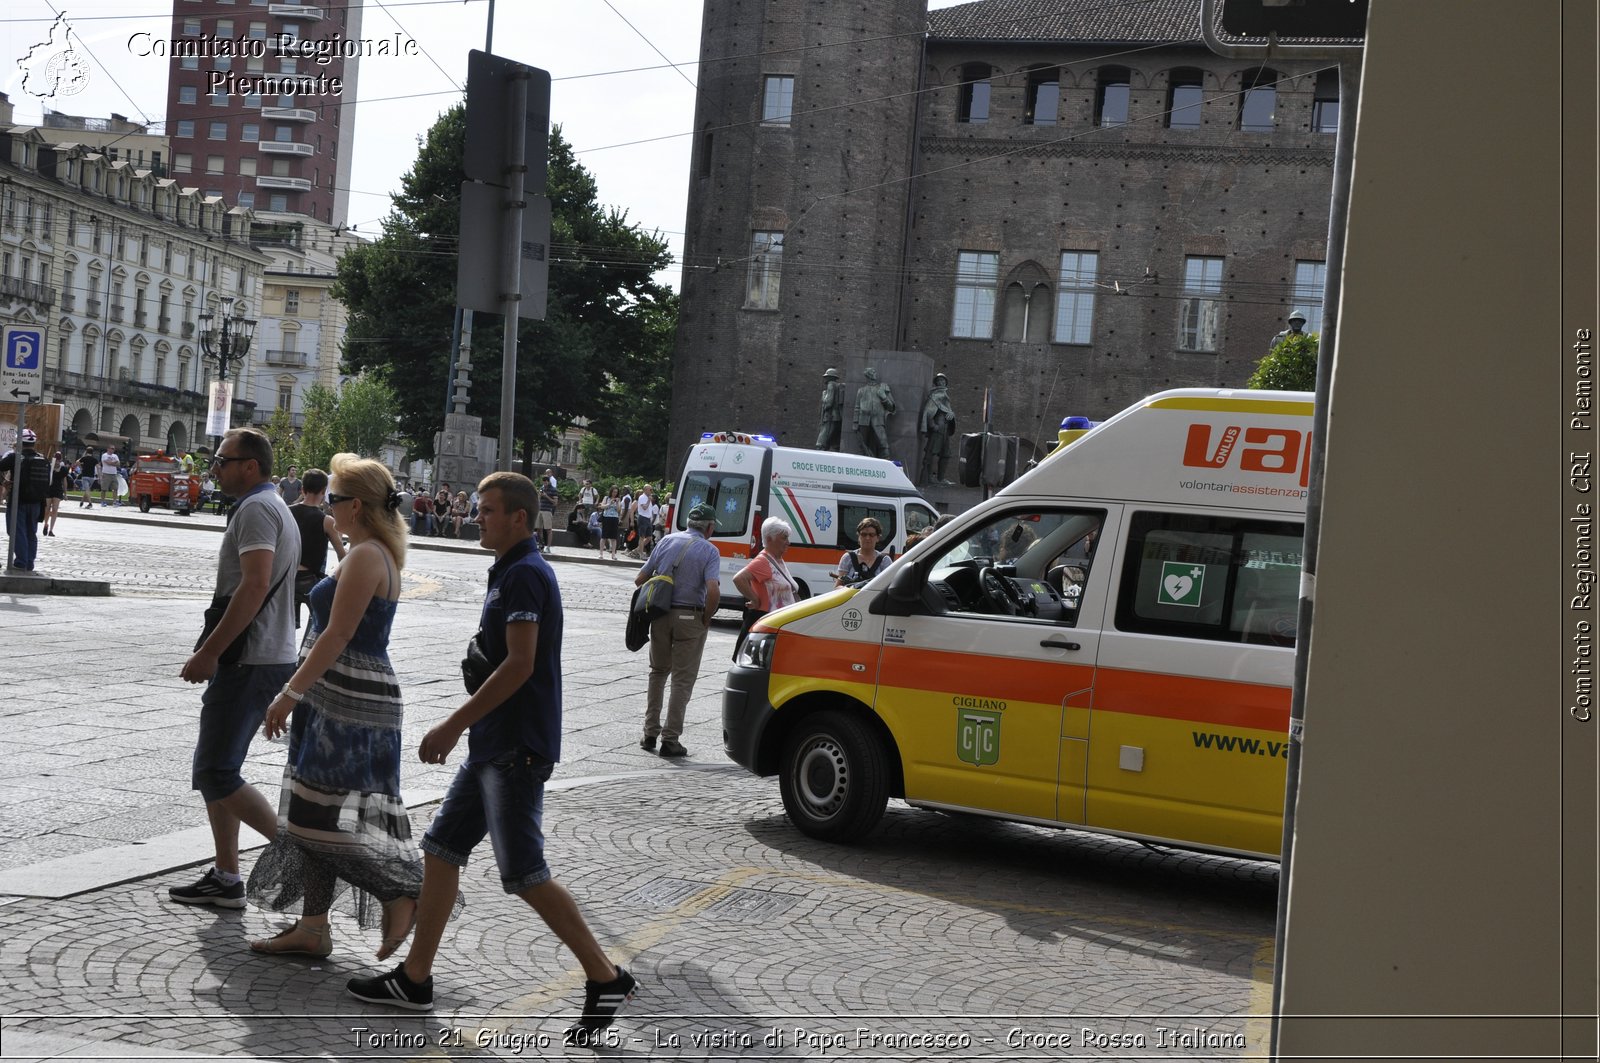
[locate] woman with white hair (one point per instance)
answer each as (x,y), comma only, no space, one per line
(765,582)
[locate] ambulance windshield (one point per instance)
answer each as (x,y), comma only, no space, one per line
(727,493)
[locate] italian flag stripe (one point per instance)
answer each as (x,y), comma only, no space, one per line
(791,508)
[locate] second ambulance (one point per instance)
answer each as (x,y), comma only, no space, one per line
(1107,644)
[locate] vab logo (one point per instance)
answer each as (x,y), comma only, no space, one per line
(1276,450)
(52,67)
(978,736)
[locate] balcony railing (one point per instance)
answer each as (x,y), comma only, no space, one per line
(69,302)
(92,307)
(164,324)
(293,184)
(304,11)
(188,330)
(289,114)
(286,147)
(28,290)
(140,317)
(288,358)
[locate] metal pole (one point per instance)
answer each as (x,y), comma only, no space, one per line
(14,503)
(517,206)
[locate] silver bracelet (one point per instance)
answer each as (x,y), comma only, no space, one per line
(292,694)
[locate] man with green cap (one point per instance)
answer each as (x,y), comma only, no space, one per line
(678,637)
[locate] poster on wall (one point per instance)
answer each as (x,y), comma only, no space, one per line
(221,405)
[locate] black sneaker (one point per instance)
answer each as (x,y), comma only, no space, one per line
(394,989)
(671,747)
(648,743)
(602,1001)
(210,890)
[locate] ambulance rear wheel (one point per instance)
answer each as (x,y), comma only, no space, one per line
(834,777)
(144,503)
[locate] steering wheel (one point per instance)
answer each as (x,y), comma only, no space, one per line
(998,592)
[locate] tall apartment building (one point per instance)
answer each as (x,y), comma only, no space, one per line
(261,103)
(1063,204)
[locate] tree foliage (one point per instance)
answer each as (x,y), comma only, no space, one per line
(627,433)
(604,309)
(358,418)
(1291,365)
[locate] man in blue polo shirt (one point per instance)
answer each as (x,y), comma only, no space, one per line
(513,725)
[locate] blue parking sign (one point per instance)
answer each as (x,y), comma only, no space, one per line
(22,367)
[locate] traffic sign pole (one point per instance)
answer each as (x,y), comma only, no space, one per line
(22,379)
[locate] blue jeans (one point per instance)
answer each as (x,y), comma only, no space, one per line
(231,710)
(503,798)
(24,533)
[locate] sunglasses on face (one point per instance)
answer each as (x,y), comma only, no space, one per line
(222,459)
(334,500)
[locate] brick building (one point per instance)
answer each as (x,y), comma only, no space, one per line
(1070,203)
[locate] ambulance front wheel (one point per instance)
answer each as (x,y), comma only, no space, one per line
(834,777)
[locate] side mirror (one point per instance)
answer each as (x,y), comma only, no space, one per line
(906,586)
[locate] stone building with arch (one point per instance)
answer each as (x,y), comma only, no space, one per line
(118,262)
(1065,203)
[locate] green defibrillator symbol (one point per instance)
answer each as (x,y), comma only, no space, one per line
(1181,582)
(978,736)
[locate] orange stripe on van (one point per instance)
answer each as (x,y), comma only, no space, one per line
(1177,697)
(976,674)
(805,555)
(814,658)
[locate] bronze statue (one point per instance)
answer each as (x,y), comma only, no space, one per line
(874,405)
(938,430)
(832,411)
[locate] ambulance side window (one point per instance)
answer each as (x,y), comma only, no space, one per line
(1225,579)
(919,518)
(853,513)
(1027,565)
(727,493)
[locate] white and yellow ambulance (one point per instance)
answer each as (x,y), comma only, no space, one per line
(821,494)
(1107,644)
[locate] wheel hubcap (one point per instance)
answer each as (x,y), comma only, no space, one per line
(821,777)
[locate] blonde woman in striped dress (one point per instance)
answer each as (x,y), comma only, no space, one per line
(341,822)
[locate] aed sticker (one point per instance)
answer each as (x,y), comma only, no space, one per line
(851,620)
(1181,583)
(978,736)
(894,634)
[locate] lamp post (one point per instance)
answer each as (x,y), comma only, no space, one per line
(225,341)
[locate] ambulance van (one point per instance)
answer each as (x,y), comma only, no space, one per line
(821,494)
(1107,644)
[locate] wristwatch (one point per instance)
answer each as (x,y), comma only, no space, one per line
(292,694)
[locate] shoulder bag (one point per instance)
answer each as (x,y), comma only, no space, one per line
(213,616)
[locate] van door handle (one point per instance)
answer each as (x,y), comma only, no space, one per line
(1059,643)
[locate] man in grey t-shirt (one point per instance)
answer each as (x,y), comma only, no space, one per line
(255,571)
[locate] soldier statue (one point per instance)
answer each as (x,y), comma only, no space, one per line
(874,405)
(1297,326)
(938,429)
(832,411)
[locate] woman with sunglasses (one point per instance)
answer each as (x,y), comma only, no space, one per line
(340,817)
(861,564)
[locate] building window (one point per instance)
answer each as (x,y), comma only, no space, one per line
(189,62)
(257,31)
(1184,97)
(182,162)
(222,62)
(188,94)
(1044,96)
(1310,281)
(288,66)
(191,27)
(974,93)
(186,128)
(283,134)
(218,131)
(214,164)
(777,100)
(279,203)
(977,279)
(1111,97)
(224,27)
(1025,313)
(247,200)
(252,101)
(218,99)
(280,168)
(766,267)
(1325,103)
(1259,101)
(1201,312)
(251,133)
(1075,297)
(247,166)
(291,303)
(286,397)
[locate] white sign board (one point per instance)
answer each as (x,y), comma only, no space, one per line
(221,407)
(22,367)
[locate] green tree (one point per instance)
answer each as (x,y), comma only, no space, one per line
(627,435)
(1291,365)
(285,449)
(400,291)
(366,414)
(319,435)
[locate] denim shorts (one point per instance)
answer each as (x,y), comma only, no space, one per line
(231,710)
(503,798)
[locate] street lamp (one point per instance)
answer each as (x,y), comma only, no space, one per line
(225,342)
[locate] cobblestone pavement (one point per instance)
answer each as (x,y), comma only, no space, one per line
(942,937)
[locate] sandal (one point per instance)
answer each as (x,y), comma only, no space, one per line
(277,946)
(392,941)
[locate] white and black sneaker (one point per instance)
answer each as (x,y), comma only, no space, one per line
(210,890)
(394,989)
(601,1002)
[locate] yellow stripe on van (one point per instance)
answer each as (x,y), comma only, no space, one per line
(1190,402)
(800,610)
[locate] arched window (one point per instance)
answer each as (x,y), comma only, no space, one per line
(1025,314)
(1044,95)
(974,93)
(1184,97)
(1111,96)
(1325,103)
(1258,103)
